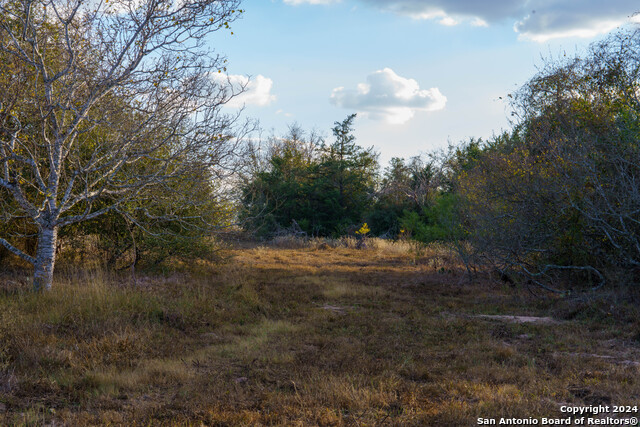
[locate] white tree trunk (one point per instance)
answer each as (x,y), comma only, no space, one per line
(45,258)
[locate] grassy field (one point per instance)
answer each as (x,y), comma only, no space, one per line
(307,335)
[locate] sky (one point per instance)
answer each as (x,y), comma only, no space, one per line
(420,74)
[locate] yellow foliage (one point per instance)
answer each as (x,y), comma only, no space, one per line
(363,230)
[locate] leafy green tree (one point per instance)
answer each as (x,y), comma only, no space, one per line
(169,222)
(322,189)
(276,187)
(405,187)
(392,198)
(346,180)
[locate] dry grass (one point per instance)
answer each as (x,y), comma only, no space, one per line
(306,333)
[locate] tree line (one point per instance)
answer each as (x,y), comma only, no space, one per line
(112,129)
(555,200)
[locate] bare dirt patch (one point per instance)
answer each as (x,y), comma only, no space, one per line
(517,319)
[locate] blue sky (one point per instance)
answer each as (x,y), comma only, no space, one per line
(419,73)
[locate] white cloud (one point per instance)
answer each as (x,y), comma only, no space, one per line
(486,10)
(257,91)
(448,21)
(389,97)
(479,22)
(538,20)
(284,113)
(297,2)
(596,28)
(586,19)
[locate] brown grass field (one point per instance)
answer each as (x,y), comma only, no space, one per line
(307,335)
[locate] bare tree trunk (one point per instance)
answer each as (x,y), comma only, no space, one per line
(45,258)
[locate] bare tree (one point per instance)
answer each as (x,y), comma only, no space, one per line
(106,99)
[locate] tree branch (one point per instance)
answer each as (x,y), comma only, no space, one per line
(17,251)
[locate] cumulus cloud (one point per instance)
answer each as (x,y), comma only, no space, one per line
(389,97)
(257,90)
(538,20)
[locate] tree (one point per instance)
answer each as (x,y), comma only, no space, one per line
(559,195)
(277,183)
(107,100)
(406,187)
(170,221)
(347,175)
(323,188)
